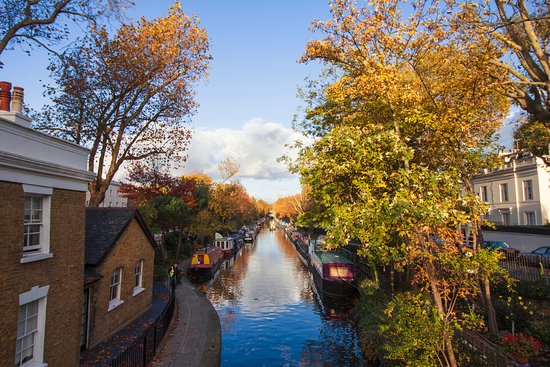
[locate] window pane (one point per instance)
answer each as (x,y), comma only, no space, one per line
(20,328)
(28,342)
(18,346)
(31,324)
(26,355)
(37,216)
(32,308)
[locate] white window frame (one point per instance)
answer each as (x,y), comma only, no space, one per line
(528,193)
(138,278)
(505,218)
(40,295)
(43,251)
(483,194)
(504,194)
(530,215)
(114,302)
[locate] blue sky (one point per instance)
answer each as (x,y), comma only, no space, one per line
(248,103)
(249,100)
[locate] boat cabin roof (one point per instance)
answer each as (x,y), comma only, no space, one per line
(332,257)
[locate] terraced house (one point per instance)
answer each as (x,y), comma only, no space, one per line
(43,183)
(70,276)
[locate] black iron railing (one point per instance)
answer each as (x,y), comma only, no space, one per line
(144,348)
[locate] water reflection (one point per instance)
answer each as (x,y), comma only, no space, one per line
(271,315)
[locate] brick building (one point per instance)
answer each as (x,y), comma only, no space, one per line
(119,272)
(43,183)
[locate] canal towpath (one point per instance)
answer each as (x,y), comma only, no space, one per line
(195,336)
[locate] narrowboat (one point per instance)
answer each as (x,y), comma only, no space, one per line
(332,271)
(249,236)
(227,244)
(206,262)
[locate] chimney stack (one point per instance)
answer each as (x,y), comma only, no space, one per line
(5,96)
(13,114)
(17,99)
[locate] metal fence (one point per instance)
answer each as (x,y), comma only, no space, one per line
(144,348)
(477,351)
(528,268)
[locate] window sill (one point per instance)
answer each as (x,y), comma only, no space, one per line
(114,304)
(138,290)
(36,257)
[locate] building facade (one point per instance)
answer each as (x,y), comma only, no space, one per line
(118,288)
(517,192)
(112,197)
(43,183)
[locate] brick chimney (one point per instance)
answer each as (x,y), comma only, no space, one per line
(15,101)
(5,96)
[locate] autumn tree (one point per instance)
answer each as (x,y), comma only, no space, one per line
(231,206)
(262,206)
(534,137)
(127,97)
(293,206)
(165,214)
(521,29)
(228,168)
(403,124)
(44,22)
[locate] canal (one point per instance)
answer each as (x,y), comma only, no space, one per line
(271,314)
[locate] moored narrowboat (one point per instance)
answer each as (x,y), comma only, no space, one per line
(227,244)
(249,236)
(332,271)
(206,262)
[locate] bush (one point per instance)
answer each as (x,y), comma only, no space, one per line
(538,290)
(412,331)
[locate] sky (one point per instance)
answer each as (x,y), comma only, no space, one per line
(247,105)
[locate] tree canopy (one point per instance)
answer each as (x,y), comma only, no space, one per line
(31,22)
(403,122)
(128,96)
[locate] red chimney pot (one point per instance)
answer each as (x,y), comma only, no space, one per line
(5,96)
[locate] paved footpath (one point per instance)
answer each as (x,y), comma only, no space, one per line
(195,339)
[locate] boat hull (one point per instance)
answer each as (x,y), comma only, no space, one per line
(335,288)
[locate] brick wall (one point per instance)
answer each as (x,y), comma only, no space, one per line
(132,246)
(63,273)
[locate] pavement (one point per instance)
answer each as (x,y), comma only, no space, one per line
(195,338)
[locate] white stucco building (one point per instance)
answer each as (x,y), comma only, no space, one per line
(518,191)
(112,197)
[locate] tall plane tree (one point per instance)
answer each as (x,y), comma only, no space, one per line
(522,30)
(44,22)
(128,97)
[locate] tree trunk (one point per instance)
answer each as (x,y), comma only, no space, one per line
(491,314)
(449,349)
(162,248)
(485,281)
(178,249)
(97,193)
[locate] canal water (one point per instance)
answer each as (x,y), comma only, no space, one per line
(271,314)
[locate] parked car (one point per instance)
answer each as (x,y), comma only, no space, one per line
(537,257)
(503,247)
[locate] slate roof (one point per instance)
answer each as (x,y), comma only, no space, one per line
(104,226)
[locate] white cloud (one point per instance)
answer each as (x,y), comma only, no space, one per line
(256,147)
(506,133)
